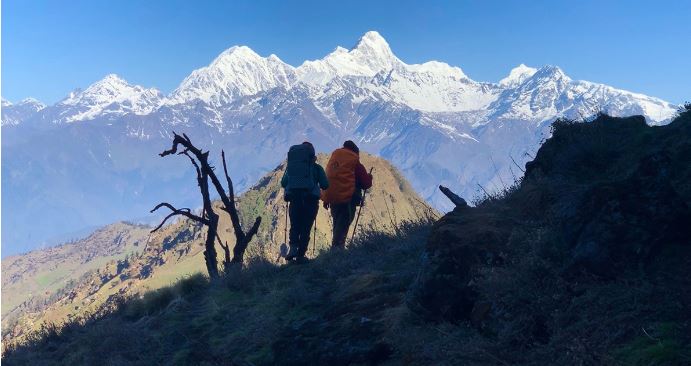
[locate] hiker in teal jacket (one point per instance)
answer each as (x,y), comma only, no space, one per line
(302,191)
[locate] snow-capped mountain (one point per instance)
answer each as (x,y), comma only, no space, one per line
(110,97)
(370,56)
(549,92)
(431,120)
(517,76)
(12,114)
(236,72)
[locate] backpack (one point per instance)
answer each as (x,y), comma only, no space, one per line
(299,171)
(340,171)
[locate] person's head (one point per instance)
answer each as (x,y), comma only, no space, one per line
(309,144)
(350,145)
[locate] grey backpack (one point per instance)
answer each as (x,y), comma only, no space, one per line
(299,171)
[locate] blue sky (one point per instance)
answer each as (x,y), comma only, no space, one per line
(52,47)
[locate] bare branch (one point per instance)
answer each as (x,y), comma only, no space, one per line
(244,240)
(253,230)
(515,163)
(176,140)
(484,190)
(196,166)
(226,251)
(231,191)
(182,211)
(496,171)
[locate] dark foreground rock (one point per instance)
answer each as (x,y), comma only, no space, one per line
(599,227)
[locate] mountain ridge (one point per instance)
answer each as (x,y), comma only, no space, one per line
(370,56)
(416,116)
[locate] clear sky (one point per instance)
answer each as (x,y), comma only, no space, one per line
(52,47)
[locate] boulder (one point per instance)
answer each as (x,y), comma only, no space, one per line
(459,242)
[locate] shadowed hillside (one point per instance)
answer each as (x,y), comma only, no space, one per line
(583,262)
(175,252)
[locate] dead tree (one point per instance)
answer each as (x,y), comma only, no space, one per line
(242,238)
(208,217)
(206,171)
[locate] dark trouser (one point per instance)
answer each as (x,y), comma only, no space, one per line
(343,215)
(303,211)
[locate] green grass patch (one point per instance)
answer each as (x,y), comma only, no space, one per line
(659,345)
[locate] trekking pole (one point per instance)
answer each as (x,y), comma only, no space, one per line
(362,203)
(314,239)
(284,247)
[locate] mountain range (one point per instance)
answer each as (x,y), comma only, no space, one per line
(91,158)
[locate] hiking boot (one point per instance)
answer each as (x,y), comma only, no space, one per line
(301,260)
(292,253)
(283,251)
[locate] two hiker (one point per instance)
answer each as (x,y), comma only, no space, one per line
(341,189)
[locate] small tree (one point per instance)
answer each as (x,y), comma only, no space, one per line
(200,161)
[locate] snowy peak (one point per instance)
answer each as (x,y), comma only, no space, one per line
(517,75)
(14,114)
(110,95)
(549,93)
(237,72)
(548,81)
(373,49)
(374,70)
(110,89)
(372,39)
(439,69)
(370,56)
(551,72)
(32,104)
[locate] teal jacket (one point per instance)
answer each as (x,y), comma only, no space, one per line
(320,179)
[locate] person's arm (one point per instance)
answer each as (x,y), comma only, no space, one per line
(284,180)
(363,179)
(321,176)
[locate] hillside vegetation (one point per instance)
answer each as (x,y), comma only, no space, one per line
(585,261)
(35,280)
(176,252)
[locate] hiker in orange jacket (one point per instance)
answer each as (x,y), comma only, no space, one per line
(347,178)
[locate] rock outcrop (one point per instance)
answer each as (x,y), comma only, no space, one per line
(611,195)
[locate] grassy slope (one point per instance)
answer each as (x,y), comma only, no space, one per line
(342,307)
(177,250)
(34,277)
